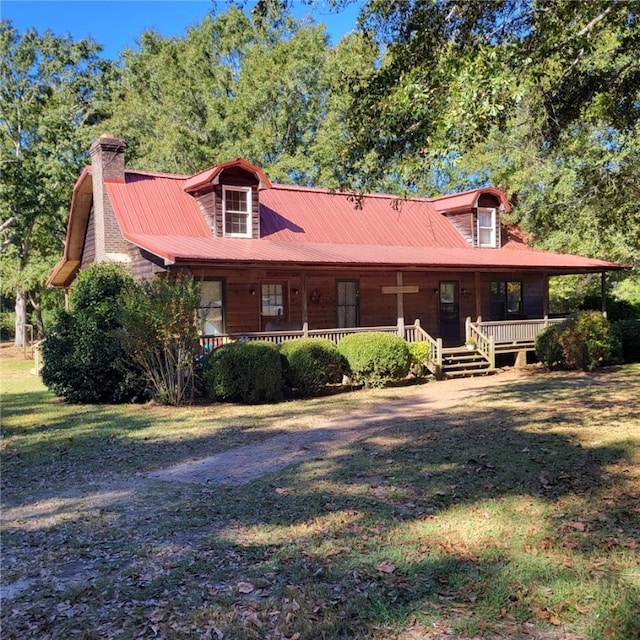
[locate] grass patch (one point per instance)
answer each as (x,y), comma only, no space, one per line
(516,510)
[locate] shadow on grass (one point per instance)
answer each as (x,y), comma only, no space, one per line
(389,532)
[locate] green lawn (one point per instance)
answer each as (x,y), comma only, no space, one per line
(517,512)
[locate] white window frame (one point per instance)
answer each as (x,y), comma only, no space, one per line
(247,213)
(492,229)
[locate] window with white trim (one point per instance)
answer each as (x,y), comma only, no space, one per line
(236,211)
(486,231)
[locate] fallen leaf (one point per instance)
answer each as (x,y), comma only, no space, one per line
(578,526)
(244,587)
(282,492)
(386,567)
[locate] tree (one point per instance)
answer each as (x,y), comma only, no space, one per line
(265,88)
(539,98)
(48,88)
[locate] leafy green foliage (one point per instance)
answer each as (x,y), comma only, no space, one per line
(627,333)
(583,341)
(161,335)
(247,372)
(84,359)
(420,354)
(48,89)
(375,358)
(548,349)
(312,364)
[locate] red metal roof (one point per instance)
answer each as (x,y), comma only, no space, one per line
(208,175)
(155,203)
(299,214)
(306,226)
(467,200)
(239,250)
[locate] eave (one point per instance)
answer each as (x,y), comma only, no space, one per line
(65,271)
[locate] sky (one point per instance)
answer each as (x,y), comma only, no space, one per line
(116,24)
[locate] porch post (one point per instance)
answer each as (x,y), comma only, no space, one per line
(603,292)
(545,295)
(303,291)
(400,304)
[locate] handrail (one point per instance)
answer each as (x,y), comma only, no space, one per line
(484,344)
(514,331)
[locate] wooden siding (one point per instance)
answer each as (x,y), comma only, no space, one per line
(315,291)
(144,265)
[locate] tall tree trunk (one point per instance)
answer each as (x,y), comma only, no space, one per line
(21,319)
(35,300)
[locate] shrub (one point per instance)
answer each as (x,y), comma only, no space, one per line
(161,335)
(628,334)
(548,349)
(247,372)
(312,364)
(375,358)
(84,360)
(420,353)
(587,341)
(583,341)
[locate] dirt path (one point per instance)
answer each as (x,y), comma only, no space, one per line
(244,464)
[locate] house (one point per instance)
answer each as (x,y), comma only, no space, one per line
(277,259)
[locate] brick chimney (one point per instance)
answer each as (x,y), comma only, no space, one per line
(107,165)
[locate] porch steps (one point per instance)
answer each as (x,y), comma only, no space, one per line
(458,362)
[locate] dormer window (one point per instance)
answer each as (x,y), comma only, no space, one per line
(486,231)
(236,208)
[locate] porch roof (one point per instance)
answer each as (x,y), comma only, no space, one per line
(176,249)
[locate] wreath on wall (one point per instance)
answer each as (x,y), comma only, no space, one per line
(315,297)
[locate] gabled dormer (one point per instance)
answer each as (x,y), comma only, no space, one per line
(229,197)
(476,215)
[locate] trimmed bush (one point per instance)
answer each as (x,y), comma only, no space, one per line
(247,372)
(375,358)
(583,341)
(548,349)
(312,364)
(628,334)
(84,360)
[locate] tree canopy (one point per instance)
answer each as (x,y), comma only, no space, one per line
(48,89)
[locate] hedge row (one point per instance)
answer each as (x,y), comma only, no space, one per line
(587,340)
(254,372)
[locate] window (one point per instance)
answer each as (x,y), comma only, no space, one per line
(236,208)
(506,300)
(211,310)
(348,295)
(272,300)
(486,228)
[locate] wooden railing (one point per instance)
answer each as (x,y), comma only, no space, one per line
(411,333)
(483,343)
(515,331)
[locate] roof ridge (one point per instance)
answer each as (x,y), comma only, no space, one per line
(157,174)
(339,192)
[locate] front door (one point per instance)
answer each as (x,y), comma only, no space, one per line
(449,312)
(274,308)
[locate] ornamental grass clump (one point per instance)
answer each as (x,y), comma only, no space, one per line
(375,358)
(247,372)
(311,365)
